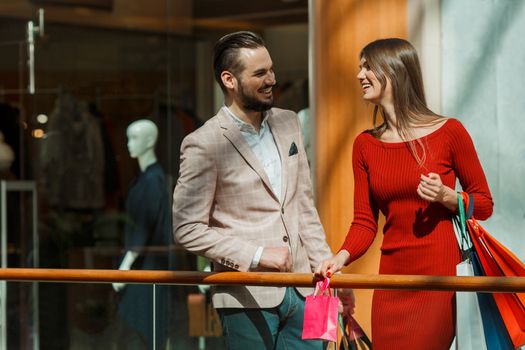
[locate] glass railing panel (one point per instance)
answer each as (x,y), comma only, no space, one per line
(194,323)
(94,316)
(19,320)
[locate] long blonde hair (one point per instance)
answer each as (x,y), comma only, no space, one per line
(397,60)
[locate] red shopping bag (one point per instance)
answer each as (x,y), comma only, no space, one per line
(320,314)
(509,305)
(509,264)
(500,262)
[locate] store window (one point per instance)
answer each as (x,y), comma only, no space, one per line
(99,66)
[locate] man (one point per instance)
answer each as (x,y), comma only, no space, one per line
(244,200)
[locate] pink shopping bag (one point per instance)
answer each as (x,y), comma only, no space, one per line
(320,314)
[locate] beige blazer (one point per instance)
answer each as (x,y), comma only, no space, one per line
(224,206)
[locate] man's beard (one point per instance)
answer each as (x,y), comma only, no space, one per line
(251,103)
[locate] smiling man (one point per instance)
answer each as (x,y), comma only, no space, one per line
(244,200)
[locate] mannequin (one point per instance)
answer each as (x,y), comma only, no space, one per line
(142,136)
(148,235)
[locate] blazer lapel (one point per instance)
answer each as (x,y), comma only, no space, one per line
(233,134)
(283,152)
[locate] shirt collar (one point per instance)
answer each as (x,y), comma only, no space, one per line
(246,127)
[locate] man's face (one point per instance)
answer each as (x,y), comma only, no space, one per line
(255,82)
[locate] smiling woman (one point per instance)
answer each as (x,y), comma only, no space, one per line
(406,168)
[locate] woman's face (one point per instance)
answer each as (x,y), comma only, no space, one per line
(372,88)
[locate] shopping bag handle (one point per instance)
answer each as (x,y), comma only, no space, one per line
(461,222)
(322,286)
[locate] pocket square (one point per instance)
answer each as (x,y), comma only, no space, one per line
(293,149)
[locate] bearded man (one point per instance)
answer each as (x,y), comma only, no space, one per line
(244,200)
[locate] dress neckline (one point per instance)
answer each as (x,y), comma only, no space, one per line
(398,144)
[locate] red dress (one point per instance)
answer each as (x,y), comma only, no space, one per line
(418,236)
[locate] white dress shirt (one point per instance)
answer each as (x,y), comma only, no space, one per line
(264,147)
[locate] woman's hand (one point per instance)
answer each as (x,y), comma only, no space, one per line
(330,266)
(431,189)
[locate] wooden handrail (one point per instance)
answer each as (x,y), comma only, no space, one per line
(404,282)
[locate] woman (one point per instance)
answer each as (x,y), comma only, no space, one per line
(407,168)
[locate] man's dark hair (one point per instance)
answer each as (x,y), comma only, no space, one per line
(226,53)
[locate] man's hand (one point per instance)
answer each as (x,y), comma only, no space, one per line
(277,258)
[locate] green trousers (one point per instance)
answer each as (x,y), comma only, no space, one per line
(277,328)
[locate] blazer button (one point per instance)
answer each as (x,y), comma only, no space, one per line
(285,238)
(236,267)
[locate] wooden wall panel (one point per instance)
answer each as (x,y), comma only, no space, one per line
(343,27)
